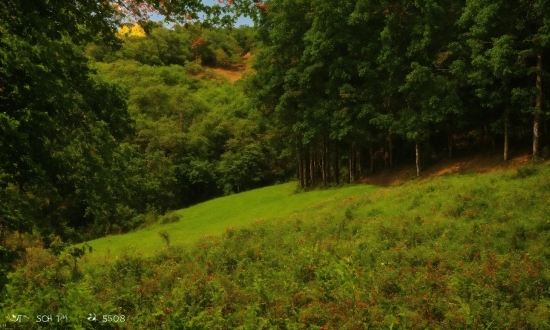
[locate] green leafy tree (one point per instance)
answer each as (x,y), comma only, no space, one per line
(415,45)
(276,85)
(60,123)
(509,41)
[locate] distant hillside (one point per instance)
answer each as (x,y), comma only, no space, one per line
(235,73)
(196,135)
(220,48)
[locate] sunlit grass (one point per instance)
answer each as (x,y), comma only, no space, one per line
(215,216)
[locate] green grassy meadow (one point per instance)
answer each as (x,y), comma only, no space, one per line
(454,252)
(215,216)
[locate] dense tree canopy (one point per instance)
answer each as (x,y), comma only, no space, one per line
(59,122)
(365,76)
(70,159)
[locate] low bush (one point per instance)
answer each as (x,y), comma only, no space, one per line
(525,172)
(169,218)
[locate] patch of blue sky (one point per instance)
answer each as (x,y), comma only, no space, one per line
(242,20)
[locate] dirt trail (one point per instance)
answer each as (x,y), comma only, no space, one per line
(236,72)
(475,163)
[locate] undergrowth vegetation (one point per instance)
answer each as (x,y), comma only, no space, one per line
(467,251)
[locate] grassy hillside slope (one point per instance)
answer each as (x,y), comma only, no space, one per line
(455,252)
(215,216)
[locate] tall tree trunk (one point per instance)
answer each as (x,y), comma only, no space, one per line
(325,162)
(485,136)
(450,143)
(312,166)
(335,164)
(506,133)
(354,162)
(545,129)
(360,162)
(390,145)
(450,137)
(305,167)
(417,151)
(300,169)
(351,163)
(371,154)
(538,110)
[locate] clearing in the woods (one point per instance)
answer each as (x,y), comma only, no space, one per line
(282,201)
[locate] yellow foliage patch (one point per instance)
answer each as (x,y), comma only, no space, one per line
(134,31)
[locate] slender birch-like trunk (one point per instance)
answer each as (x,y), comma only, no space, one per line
(538,110)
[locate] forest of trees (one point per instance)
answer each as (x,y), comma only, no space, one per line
(196,134)
(99,132)
(349,82)
(184,135)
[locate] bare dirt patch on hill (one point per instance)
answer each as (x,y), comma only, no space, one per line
(236,72)
(474,163)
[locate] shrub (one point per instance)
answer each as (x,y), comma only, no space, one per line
(525,172)
(170,218)
(193,68)
(165,236)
